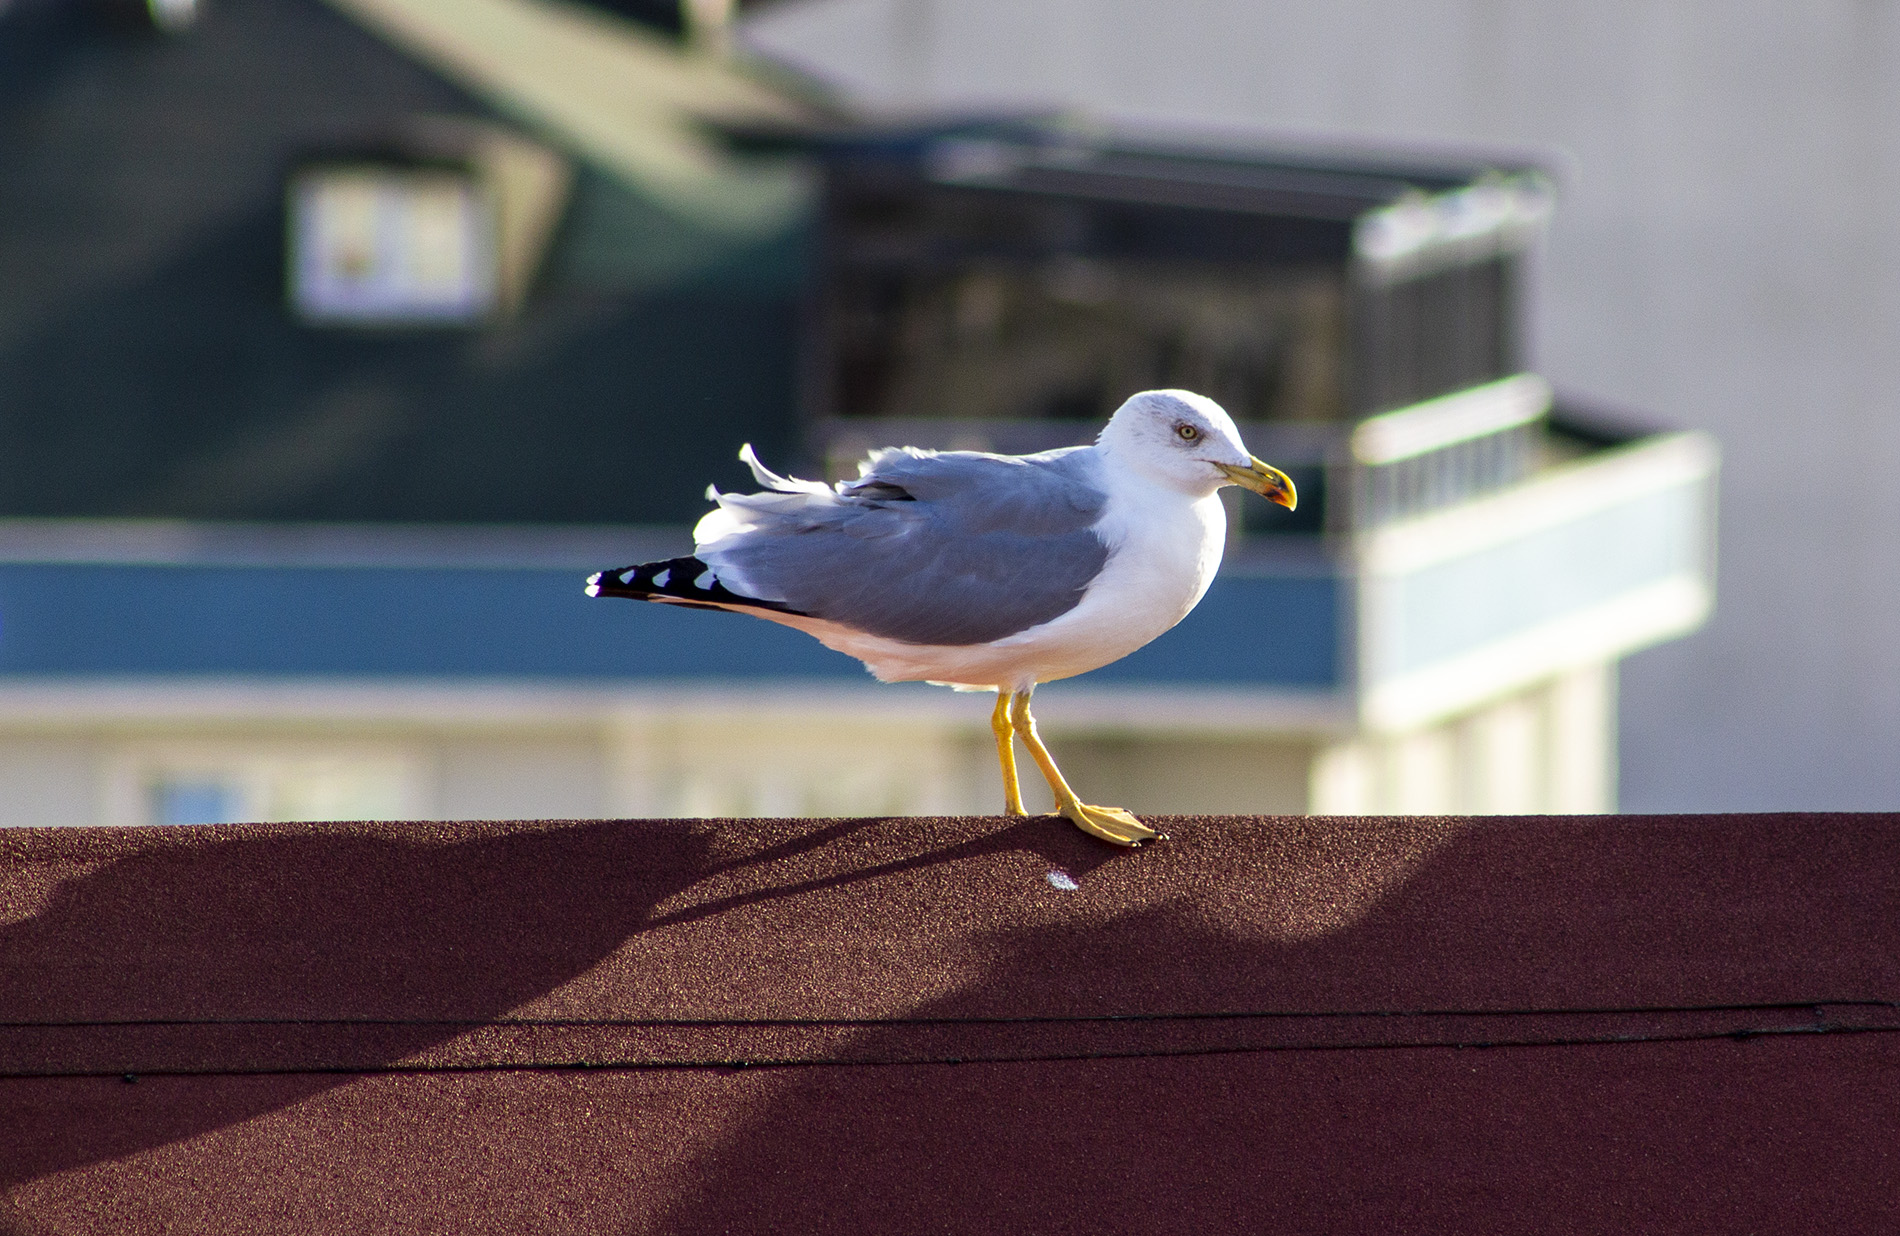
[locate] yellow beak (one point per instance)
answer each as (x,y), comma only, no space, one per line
(1264,479)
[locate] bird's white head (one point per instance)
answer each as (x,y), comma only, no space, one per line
(1188,442)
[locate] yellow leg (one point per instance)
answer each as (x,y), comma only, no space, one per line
(1006,755)
(1109,823)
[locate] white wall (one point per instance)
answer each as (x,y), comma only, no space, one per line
(1725,257)
(1544,750)
(138,754)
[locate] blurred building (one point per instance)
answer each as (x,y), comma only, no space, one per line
(1724,256)
(340,340)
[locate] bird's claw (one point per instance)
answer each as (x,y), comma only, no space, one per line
(1111,824)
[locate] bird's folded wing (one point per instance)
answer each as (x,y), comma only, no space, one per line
(956,548)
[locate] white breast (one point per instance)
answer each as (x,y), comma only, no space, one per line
(1164,548)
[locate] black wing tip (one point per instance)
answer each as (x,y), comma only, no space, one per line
(675,581)
(643,581)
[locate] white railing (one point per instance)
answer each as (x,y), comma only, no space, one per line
(1578,565)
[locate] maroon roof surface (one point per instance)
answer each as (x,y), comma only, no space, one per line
(1613,1024)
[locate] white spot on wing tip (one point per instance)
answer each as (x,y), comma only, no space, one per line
(1062,881)
(706,579)
(659,580)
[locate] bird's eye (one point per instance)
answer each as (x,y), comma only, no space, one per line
(1186,432)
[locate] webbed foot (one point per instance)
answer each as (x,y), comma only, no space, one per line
(1111,824)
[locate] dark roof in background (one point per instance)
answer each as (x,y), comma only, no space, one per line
(148,365)
(1081,156)
(1597,1024)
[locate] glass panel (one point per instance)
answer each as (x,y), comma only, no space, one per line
(194,800)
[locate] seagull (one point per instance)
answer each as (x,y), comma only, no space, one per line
(984,572)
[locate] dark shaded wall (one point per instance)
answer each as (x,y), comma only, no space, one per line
(149,366)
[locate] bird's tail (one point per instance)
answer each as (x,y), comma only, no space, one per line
(677,581)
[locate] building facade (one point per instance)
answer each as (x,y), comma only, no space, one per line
(303,501)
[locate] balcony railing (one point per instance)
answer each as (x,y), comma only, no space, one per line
(1583,562)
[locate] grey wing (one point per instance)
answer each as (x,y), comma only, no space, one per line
(954,549)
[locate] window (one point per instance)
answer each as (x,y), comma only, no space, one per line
(386,245)
(195,800)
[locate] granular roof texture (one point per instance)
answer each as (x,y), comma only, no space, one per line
(1625,1024)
